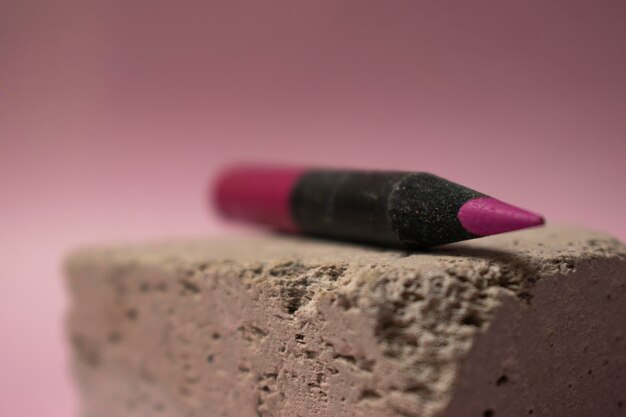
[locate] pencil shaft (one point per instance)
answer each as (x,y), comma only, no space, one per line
(391,208)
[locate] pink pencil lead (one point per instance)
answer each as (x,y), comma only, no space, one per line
(486,216)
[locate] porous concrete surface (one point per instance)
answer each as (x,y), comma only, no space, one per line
(528,323)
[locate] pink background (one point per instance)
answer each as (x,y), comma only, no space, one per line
(114,115)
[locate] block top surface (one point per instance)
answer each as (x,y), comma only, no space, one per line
(540,248)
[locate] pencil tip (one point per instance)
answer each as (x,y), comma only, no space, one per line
(484,216)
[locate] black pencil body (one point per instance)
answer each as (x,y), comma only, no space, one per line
(389,208)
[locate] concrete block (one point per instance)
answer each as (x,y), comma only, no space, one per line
(522,324)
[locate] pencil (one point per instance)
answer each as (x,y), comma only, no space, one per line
(397,209)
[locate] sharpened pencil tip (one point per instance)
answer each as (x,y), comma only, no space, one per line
(484,216)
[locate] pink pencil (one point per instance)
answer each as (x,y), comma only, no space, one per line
(385,208)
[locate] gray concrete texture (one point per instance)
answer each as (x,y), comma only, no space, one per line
(522,324)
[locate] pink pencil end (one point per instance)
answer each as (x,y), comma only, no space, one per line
(484,216)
